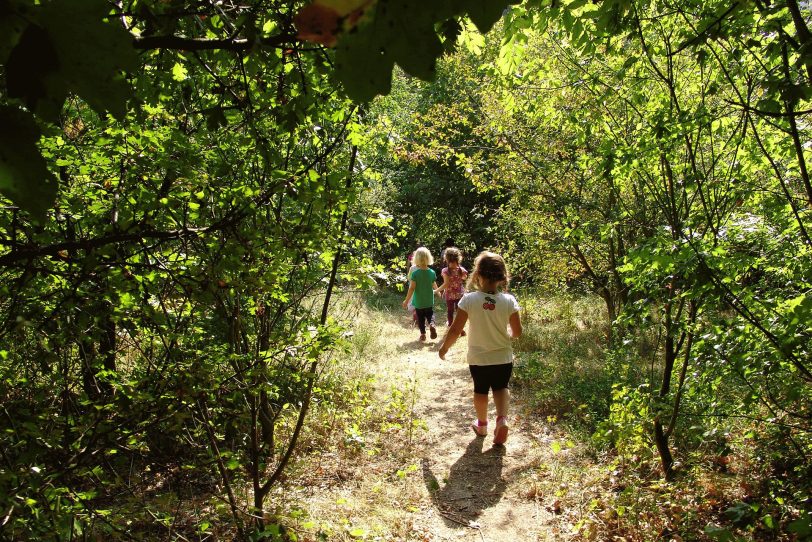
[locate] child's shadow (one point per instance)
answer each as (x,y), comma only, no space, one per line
(417,344)
(407,324)
(474,483)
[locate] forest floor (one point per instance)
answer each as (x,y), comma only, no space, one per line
(433,479)
(389,454)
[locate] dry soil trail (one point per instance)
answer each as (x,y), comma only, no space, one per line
(441,483)
(472,489)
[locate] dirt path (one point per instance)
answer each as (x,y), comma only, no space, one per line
(444,483)
(474,490)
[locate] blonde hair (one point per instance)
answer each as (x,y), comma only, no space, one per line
(422,257)
(491,267)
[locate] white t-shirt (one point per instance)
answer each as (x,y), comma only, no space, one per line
(488,338)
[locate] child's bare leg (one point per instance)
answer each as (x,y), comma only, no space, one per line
(481,406)
(501,398)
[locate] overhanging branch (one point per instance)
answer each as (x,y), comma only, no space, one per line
(38,251)
(182,43)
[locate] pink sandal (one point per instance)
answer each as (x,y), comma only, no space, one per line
(480,429)
(500,434)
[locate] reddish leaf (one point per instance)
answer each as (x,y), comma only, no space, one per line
(319,24)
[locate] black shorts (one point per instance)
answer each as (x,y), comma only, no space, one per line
(487,377)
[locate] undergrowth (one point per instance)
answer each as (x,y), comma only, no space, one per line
(731,486)
(560,366)
(363,433)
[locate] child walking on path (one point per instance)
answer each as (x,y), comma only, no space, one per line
(490,354)
(422,282)
(412,267)
(410,306)
(454,275)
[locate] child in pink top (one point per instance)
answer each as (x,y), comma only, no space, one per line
(454,276)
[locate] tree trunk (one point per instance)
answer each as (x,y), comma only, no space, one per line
(661,440)
(660,436)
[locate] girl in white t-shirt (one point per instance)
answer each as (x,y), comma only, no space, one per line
(490,355)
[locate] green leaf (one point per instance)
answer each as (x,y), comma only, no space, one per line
(718,533)
(402,32)
(363,65)
(93,54)
(739,513)
(485,13)
(179,72)
(801,526)
(215,117)
(769,105)
(631,61)
(24,177)
(32,73)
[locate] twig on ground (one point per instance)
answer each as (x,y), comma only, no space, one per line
(469,524)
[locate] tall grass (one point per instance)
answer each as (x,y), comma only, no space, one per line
(561,364)
(362,430)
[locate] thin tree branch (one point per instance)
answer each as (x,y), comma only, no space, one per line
(704,33)
(182,43)
(312,370)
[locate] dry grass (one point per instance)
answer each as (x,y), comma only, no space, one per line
(361,479)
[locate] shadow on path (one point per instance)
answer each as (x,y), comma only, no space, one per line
(474,483)
(417,344)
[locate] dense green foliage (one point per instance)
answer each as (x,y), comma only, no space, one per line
(656,155)
(166,315)
(188,181)
(182,184)
(423,142)
(688,151)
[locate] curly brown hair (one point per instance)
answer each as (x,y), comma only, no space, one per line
(452,254)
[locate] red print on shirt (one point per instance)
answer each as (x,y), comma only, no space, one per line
(490,304)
